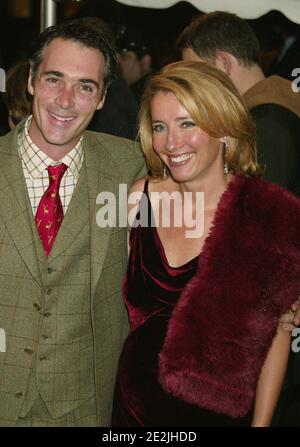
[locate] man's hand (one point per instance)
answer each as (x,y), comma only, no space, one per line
(296,308)
(291,319)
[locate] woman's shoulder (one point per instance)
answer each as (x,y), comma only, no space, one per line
(138,185)
(153,184)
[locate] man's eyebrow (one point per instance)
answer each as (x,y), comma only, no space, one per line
(59,74)
(89,81)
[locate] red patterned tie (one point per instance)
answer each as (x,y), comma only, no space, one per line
(50,212)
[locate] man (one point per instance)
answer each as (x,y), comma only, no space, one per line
(135,59)
(228,42)
(118,115)
(60,272)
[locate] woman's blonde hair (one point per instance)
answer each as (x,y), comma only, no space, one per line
(213,103)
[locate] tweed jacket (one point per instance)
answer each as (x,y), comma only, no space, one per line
(225,320)
(109,161)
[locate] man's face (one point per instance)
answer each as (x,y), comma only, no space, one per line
(67,90)
(131,67)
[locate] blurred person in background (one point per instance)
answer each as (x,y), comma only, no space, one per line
(17,98)
(135,58)
(118,115)
(288,57)
(228,42)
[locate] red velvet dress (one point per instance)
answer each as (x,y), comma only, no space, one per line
(151,290)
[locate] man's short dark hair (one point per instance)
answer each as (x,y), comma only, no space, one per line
(221,31)
(80,32)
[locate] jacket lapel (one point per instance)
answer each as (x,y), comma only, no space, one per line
(15,207)
(100,177)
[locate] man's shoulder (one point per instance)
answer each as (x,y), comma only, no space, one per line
(105,139)
(117,147)
(273,91)
(7,141)
(274,112)
(121,155)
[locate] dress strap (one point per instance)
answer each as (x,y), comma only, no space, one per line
(146,187)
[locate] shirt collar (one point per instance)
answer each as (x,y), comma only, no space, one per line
(36,161)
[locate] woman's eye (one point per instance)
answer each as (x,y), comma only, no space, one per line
(158,128)
(187,124)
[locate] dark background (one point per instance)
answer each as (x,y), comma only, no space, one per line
(20,25)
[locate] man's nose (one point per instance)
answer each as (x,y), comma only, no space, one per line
(65,98)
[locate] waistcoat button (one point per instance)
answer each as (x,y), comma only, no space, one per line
(37,307)
(28,351)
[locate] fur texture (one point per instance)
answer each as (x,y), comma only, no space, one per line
(223,324)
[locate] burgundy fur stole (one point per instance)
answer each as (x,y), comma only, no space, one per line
(224,322)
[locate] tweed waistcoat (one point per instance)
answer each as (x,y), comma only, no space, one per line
(62,371)
(109,162)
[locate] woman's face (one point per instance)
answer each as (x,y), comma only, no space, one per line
(188,151)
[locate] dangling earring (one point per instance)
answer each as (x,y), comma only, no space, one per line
(165,172)
(225,146)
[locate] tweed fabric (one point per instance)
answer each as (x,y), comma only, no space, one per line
(65,341)
(110,161)
(38,416)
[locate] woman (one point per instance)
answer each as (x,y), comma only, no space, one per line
(204,347)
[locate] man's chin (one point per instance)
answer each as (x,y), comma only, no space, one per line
(59,140)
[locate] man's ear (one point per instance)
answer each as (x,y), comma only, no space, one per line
(146,63)
(101,102)
(223,62)
(30,87)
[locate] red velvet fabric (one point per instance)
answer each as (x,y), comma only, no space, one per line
(223,324)
(151,291)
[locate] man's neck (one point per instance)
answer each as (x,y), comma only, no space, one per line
(247,77)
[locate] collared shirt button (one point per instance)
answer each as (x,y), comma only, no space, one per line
(47,314)
(18,394)
(50,270)
(28,351)
(49,291)
(44,357)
